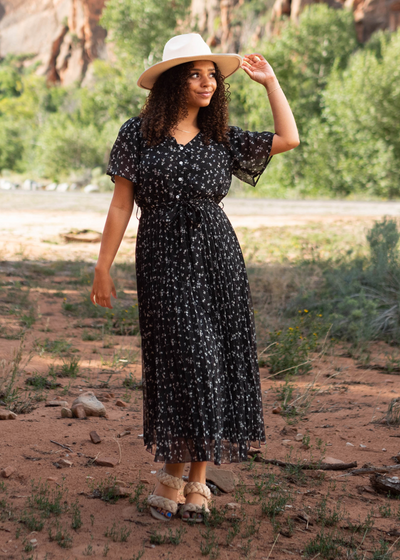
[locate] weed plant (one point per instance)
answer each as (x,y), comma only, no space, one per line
(130,383)
(209,546)
(41,382)
(54,347)
(135,498)
(383,551)
(118,534)
(325,545)
(48,501)
(70,368)
(76,522)
(170,537)
(122,320)
(215,517)
(393,413)
(61,535)
(31,522)
(325,516)
(106,489)
(290,348)
(360,296)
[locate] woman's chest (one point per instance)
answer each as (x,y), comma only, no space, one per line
(196,169)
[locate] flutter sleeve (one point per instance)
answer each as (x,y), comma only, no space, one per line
(250,153)
(125,153)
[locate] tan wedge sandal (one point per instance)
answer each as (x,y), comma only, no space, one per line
(195,488)
(155,501)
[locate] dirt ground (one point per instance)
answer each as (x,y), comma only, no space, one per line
(279,510)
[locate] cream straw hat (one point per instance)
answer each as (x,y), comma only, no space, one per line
(187,48)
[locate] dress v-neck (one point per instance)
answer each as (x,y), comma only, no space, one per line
(183,145)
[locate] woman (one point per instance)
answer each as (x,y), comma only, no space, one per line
(201,386)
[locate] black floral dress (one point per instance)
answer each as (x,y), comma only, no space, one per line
(202,396)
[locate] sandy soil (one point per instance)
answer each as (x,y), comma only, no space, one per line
(345,405)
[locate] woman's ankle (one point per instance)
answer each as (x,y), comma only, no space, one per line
(197,472)
(174,469)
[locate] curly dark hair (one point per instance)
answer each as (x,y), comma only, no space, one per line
(165,107)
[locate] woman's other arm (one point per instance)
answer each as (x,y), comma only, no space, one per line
(117,221)
(286,135)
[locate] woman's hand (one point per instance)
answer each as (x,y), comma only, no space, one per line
(258,69)
(103,288)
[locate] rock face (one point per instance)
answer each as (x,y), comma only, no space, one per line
(62,35)
(220,20)
(369,15)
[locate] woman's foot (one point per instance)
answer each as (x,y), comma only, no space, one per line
(163,501)
(197,494)
(165,492)
(197,500)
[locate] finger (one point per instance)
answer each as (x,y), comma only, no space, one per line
(114,292)
(108,303)
(92,298)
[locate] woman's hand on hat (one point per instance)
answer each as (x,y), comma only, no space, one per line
(258,68)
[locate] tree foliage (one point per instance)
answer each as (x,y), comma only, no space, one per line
(345,98)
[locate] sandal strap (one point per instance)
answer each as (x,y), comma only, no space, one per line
(169,480)
(193,508)
(197,488)
(163,503)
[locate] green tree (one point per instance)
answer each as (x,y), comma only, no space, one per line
(140,29)
(355,147)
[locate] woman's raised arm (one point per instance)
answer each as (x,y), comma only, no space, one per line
(286,135)
(117,221)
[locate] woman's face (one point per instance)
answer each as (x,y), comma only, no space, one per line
(202,84)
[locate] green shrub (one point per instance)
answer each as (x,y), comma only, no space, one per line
(361,297)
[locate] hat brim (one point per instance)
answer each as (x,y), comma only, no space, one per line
(227,64)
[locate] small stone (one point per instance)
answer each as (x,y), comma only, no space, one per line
(79,411)
(65,463)
(299,437)
(122,404)
(286,442)
(51,479)
(66,412)
(222,478)
(92,406)
(106,462)
(7,415)
(124,433)
(57,403)
(94,436)
(232,506)
(349,444)
(363,446)
(7,472)
(276,410)
(288,431)
(332,461)
(144,481)
(122,491)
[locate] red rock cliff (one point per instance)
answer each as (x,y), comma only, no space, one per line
(62,35)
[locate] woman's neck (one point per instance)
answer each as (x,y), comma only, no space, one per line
(189,123)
